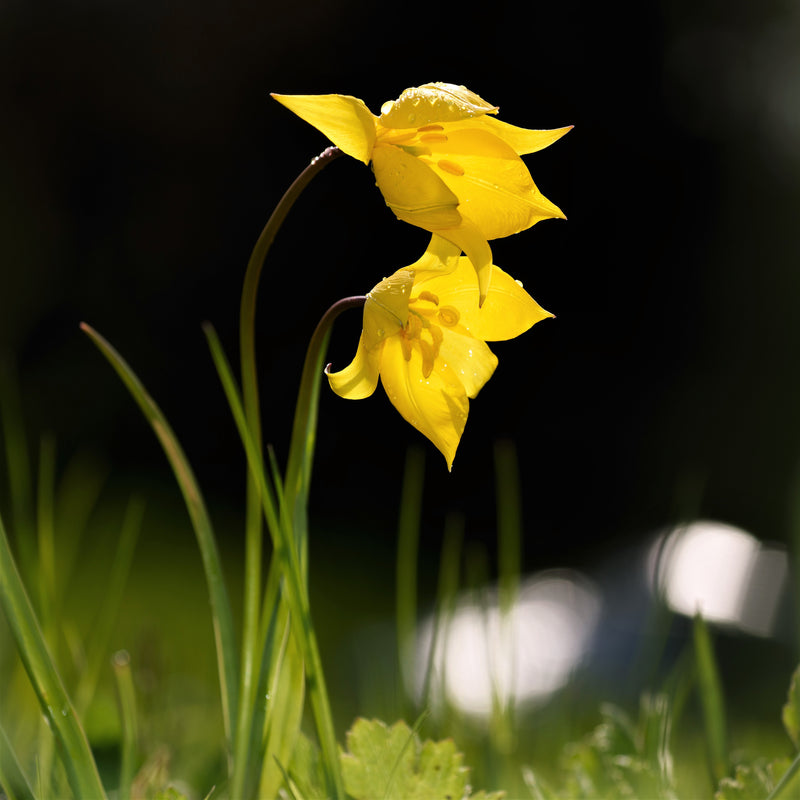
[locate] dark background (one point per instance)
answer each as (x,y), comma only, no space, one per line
(141,155)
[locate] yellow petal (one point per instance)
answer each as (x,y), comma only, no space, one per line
(433,103)
(493,184)
(413,191)
(470,359)
(386,308)
(469,238)
(385,314)
(437,406)
(359,379)
(507,312)
(521,140)
(345,120)
(441,256)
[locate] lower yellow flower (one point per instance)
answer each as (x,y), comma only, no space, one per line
(424,335)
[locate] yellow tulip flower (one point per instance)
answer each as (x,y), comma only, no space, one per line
(424,335)
(442,161)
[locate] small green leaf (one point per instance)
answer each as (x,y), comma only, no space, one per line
(791,711)
(390,763)
(307,773)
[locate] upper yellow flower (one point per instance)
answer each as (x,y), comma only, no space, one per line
(424,335)
(441,162)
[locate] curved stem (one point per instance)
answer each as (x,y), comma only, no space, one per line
(251,658)
(304,430)
(247,310)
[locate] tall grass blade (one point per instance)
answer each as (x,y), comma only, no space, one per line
(285,699)
(45,524)
(408,533)
(509,561)
(77,492)
(283,668)
(103,628)
(711,700)
(76,754)
(13,780)
(201,522)
(434,689)
(787,781)
(121,663)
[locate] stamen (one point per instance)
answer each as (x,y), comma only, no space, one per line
(433,137)
(432,127)
(393,136)
(448,316)
(414,325)
(415,150)
(406,346)
(451,167)
(429,296)
(428,357)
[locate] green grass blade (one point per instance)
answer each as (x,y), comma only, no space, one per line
(45,519)
(103,628)
(201,522)
(408,532)
(283,670)
(77,492)
(13,780)
(787,781)
(509,522)
(434,687)
(509,560)
(74,748)
(711,699)
(285,700)
(121,663)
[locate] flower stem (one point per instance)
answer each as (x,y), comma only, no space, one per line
(251,658)
(304,430)
(289,526)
